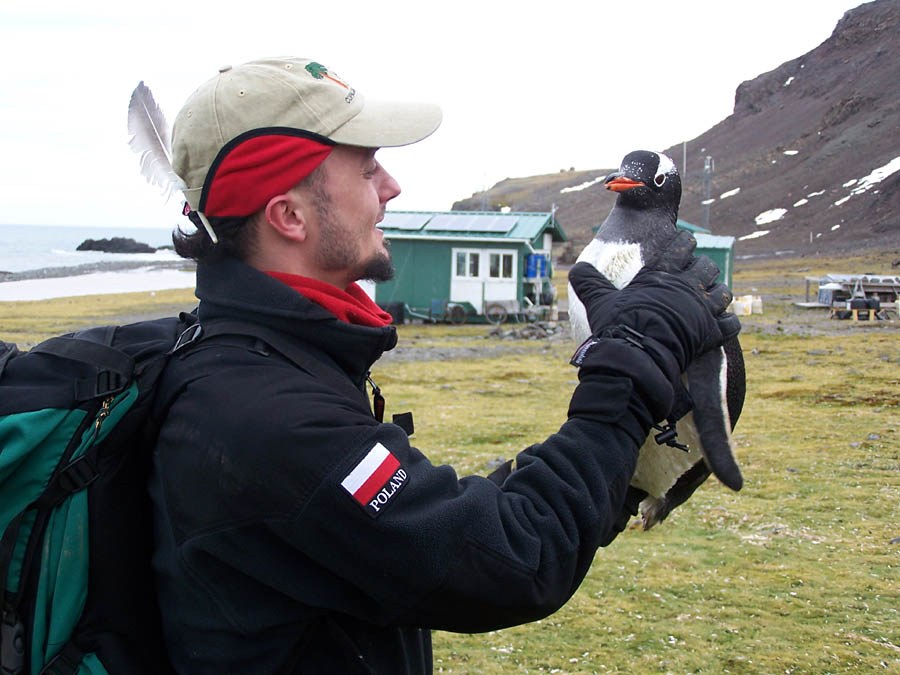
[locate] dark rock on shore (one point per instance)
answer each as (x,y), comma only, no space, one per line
(115,245)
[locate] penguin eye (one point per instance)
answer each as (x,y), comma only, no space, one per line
(660,179)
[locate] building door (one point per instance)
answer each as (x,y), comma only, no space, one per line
(483,277)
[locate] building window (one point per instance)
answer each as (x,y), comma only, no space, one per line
(473,264)
(484,264)
(467,264)
(501,266)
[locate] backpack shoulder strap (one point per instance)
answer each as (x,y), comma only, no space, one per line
(75,349)
(114,367)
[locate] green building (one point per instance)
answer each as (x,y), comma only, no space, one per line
(468,266)
(719,248)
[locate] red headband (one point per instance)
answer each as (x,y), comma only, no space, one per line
(254,167)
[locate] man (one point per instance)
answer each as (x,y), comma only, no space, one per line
(294,531)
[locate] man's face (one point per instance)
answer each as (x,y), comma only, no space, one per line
(350,197)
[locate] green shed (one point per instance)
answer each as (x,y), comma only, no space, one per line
(468,265)
(720,249)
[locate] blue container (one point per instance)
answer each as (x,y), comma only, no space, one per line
(535,265)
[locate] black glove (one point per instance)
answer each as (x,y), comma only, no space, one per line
(663,314)
(701,273)
(647,334)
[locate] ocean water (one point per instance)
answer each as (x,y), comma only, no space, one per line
(28,247)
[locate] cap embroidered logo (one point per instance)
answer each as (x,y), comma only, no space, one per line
(375,480)
(320,72)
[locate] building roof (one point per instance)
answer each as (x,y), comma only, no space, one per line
(679,223)
(471,225)
(690,227)
(713,241)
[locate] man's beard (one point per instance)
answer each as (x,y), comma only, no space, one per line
(333,253)
(380,267)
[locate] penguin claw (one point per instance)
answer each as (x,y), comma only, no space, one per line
(654,510)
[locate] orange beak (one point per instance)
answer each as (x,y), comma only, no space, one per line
(621,184)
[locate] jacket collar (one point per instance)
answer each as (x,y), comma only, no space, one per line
(232,289)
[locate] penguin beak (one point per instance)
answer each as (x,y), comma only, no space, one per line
(619,183)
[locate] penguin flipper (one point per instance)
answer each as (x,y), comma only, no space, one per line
(708,382)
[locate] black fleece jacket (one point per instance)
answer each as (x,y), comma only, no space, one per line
(295,533)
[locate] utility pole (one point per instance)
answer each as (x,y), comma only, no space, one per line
(709,167)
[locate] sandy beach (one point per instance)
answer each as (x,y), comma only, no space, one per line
(95,279)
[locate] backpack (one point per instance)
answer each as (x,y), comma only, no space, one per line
(76,441)
(75,453)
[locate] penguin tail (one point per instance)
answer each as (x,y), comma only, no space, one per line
(718,395)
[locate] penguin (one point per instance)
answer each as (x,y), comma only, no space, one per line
(673,463)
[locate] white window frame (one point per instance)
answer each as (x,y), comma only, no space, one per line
(502,256)
(467,269)
(484,263)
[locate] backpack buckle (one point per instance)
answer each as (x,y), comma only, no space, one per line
(77,476)
(65,662)
(12,643)
(188,336)
(106,383)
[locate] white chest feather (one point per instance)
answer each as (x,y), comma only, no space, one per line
(618,261)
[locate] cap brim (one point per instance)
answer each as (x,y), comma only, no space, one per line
(385,124)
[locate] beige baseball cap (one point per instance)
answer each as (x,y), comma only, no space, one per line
(285,93)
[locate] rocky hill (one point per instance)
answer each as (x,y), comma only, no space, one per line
(808,162)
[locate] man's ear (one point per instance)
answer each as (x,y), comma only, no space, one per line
(285,214)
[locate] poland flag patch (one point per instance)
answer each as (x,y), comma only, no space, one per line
(375,480)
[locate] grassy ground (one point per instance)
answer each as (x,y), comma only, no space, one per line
(27,323)
(797,573)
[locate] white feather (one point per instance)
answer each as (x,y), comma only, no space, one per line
(150,139)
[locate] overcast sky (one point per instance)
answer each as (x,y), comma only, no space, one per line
(526,87)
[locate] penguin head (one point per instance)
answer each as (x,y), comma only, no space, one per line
(646,180)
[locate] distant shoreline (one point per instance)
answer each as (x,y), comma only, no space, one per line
(91,268)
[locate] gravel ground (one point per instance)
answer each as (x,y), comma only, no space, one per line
(505,340)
